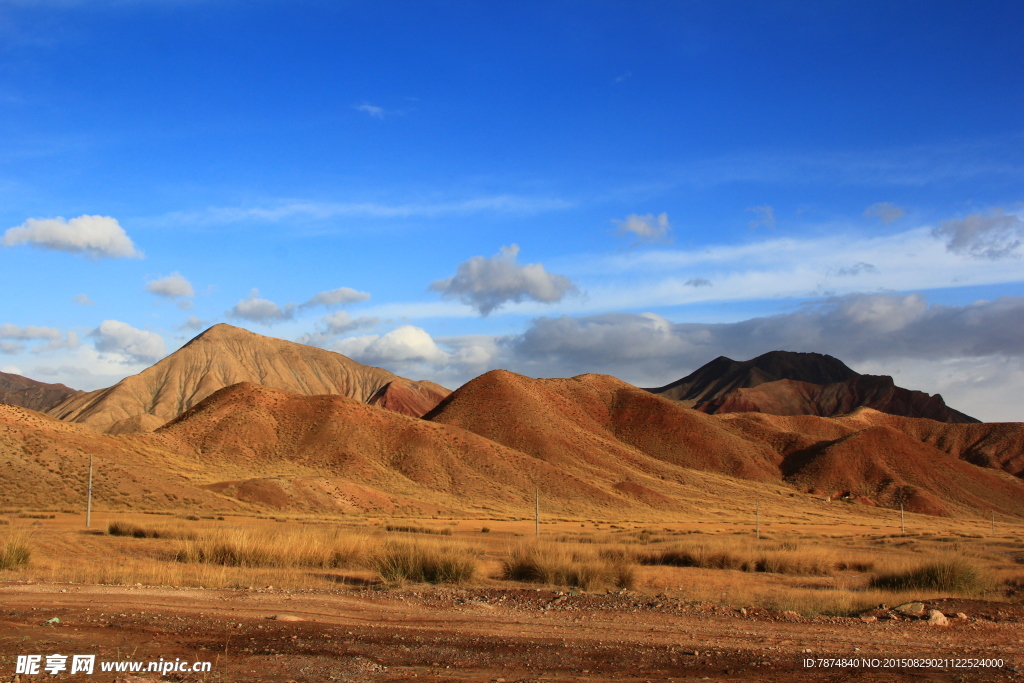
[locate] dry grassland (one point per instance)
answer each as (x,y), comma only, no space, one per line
(829,567)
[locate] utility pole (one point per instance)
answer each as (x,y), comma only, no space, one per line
(757,520)
(88,497)
(537,511)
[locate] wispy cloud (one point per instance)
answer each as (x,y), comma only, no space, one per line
(765,217)
(371,110)
(887,212)
(312,210)
(336,297)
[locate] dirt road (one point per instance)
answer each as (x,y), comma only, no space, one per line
(439,634)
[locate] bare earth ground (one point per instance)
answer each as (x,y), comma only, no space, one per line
(445,634)
(665,630)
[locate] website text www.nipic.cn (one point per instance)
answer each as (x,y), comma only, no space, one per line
(32,665)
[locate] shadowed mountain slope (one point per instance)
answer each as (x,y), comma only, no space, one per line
(409,398)
(790,383)
(221,356)
(21,391)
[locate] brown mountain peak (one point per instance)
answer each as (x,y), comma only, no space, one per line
(793,383)
(221,356)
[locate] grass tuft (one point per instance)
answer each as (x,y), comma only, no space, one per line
(954,575)
(404,562)
(551,564)
(14,552)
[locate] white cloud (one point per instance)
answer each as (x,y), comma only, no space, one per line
(697,282)
(11,348)
(83,300)
(765,217)
(94,236)
(11,369)
(649,228)
(260,310)
(402,345)
(336,297)
(375,112)
(334,325)
(887,212)
(411,352)
(992,237)
(488,283)
(133,345)
(172,286)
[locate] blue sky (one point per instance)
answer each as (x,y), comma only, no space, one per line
(442,188)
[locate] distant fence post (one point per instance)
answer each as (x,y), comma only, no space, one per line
(757,520)
(903,524)
(536,512)
(88,496)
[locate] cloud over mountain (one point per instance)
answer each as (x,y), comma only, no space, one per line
(258,310)
(140,346)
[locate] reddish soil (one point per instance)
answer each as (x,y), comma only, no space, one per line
(433,634)
(415,399)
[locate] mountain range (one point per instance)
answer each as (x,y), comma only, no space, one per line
(237,421)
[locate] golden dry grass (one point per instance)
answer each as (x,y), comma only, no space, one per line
(317,547)
(15,551)
(820,569)
(556,565)
(400,562)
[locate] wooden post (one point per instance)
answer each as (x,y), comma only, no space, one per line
(88,496)
(993,522)
(903,524)
(757,520)
(537,511)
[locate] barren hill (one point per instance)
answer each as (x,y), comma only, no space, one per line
(21,391)
(44,464)
(790,383)
(591,445)
(357,456)
(221,356)
(612,427)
